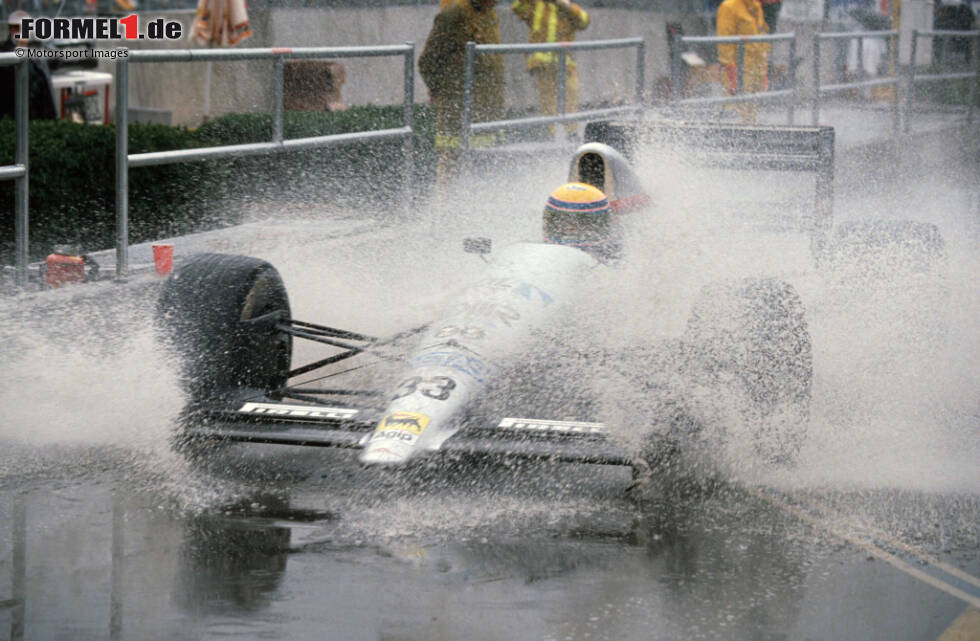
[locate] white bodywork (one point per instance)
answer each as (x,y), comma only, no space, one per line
(486,327)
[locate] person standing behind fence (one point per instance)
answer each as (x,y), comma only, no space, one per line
(553,21)
(40,97)
(743,18)
(442,65)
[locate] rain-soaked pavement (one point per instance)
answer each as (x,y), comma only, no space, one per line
(875,534)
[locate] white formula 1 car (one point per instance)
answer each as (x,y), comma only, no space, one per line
(462,384)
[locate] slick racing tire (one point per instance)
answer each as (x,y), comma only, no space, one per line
(219,313)
(752,334)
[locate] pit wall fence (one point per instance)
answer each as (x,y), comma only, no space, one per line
(903,92)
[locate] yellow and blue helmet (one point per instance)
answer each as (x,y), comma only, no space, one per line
(579,215)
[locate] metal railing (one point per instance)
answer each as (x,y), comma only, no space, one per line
(962,75)
(739,97)
(562,49)
(125,160)
(888,81)
(19,172)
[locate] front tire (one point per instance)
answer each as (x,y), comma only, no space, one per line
(219,313)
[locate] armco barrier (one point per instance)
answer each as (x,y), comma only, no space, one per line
(762,96)
(125,160)
(562,49)
(20,170)
(887,81)
(963,75)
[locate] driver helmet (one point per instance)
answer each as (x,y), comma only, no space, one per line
(579,215)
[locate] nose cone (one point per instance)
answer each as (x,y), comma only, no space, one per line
(383,456)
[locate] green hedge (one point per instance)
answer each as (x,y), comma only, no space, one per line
(72,179)
(338,178)
(72,186)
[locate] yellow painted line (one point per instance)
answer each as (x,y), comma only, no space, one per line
(966,627)
(870,548)
(905,547)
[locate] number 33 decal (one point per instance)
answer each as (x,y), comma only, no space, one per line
(437,387)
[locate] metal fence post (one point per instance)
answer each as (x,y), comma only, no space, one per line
(976,79)
(910,83)
(893,50)
(467,115)
(741,67)
(815,113)
(122,166)
(22,157)
(676,92)
(792,81)
(408,119)
(278,92)
(561,86)
(641,61)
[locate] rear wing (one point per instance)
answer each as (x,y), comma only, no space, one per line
(724,145)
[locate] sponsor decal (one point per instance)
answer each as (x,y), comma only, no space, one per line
(401,426)
(560,427)
(437,387)
(298,411)
(467,332)
(496,312)
(529,291)
(472,366)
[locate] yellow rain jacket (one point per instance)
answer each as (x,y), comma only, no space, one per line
(744,18)
(549,22)
(443,59)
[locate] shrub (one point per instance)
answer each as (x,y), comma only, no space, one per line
(72,186)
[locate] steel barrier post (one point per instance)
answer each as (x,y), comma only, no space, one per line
(467,115)
(741,67)
(676,92)
(910,83)
(122,167)
(561,87)
(791,115)
(22,185)
(19,561)
(641,59)
(815,113)
(278,92)
(408,120)
(860,60)
(976,79)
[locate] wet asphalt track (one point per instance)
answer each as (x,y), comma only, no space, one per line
(109,537)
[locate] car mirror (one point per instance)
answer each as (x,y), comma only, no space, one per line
(478,245)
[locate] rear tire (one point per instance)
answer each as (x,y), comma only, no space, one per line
(752,333)
(884,250)
(207,313)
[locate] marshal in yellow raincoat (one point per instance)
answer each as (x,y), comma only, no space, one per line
(552,21)
(442,66)
(743,18)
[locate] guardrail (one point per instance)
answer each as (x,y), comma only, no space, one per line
(19,172)
(562,49)
(963,75)
(892,80)
(125,160)
(740,42)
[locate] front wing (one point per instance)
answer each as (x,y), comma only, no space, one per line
(279,423)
